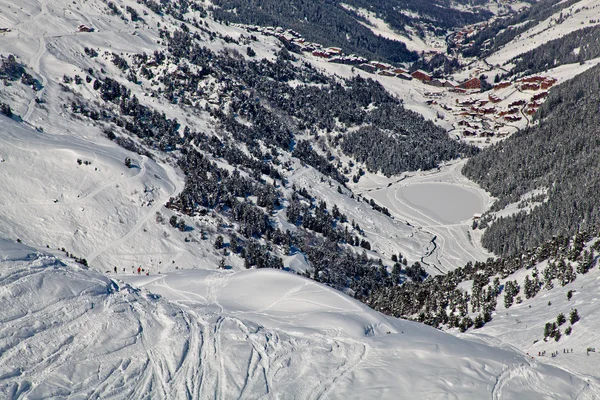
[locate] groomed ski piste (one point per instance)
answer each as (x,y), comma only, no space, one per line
(71,332)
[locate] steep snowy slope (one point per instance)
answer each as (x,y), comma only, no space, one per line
(522,325)
(71,332)
(45,37)
(576,16)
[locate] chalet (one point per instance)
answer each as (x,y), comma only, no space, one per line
(450,83)
(530,86)
(333,50)
(399,71)
(367,67)
(468,102)
(386,73)
(320,53)
(547,83)
(494,99)
(421,76)
(406,77)
(502,85)
(83,28)
(473,83)
(539,96)
(517,103)
(532,79)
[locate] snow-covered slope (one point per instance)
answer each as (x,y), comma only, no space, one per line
(71,332)
(44,37)
(578,15)
(522,325)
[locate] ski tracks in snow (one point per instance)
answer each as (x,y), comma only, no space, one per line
(175,187)
(35,64)
(327,386)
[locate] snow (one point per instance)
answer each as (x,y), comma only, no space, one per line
(441,203)
(74,333)
(445,202)
(387,236)
(71,332)
(522,325)
(575,17)
(381,28)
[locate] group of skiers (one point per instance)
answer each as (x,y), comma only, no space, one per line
(554,354)
(139,270)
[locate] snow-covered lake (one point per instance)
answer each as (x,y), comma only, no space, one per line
(447,203)
(441,203)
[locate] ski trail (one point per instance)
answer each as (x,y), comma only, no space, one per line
(175,188)
(327,386)
(35,65)
(100,189)
(214,283)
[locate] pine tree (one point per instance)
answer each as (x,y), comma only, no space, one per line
(218,242)
(557,335)
(574,317)
(548,330)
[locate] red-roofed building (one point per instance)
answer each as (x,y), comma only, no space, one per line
(473,83)
(421,75)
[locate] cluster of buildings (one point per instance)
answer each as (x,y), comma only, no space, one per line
(536,83)
(476,115)
(484,117)
(336,55)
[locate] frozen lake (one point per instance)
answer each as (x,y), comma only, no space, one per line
(441,204)
(446,203)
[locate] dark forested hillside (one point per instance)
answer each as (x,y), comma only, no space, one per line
(561,154)
(330,24)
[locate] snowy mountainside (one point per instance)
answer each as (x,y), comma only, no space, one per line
(79,71)
(346,24)
(523,324)
(149,135)
(502,39)
(74,333)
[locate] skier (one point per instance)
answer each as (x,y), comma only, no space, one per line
(139,270)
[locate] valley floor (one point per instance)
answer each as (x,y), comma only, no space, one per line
(442,203)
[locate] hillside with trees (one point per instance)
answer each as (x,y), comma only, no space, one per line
(559,154)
